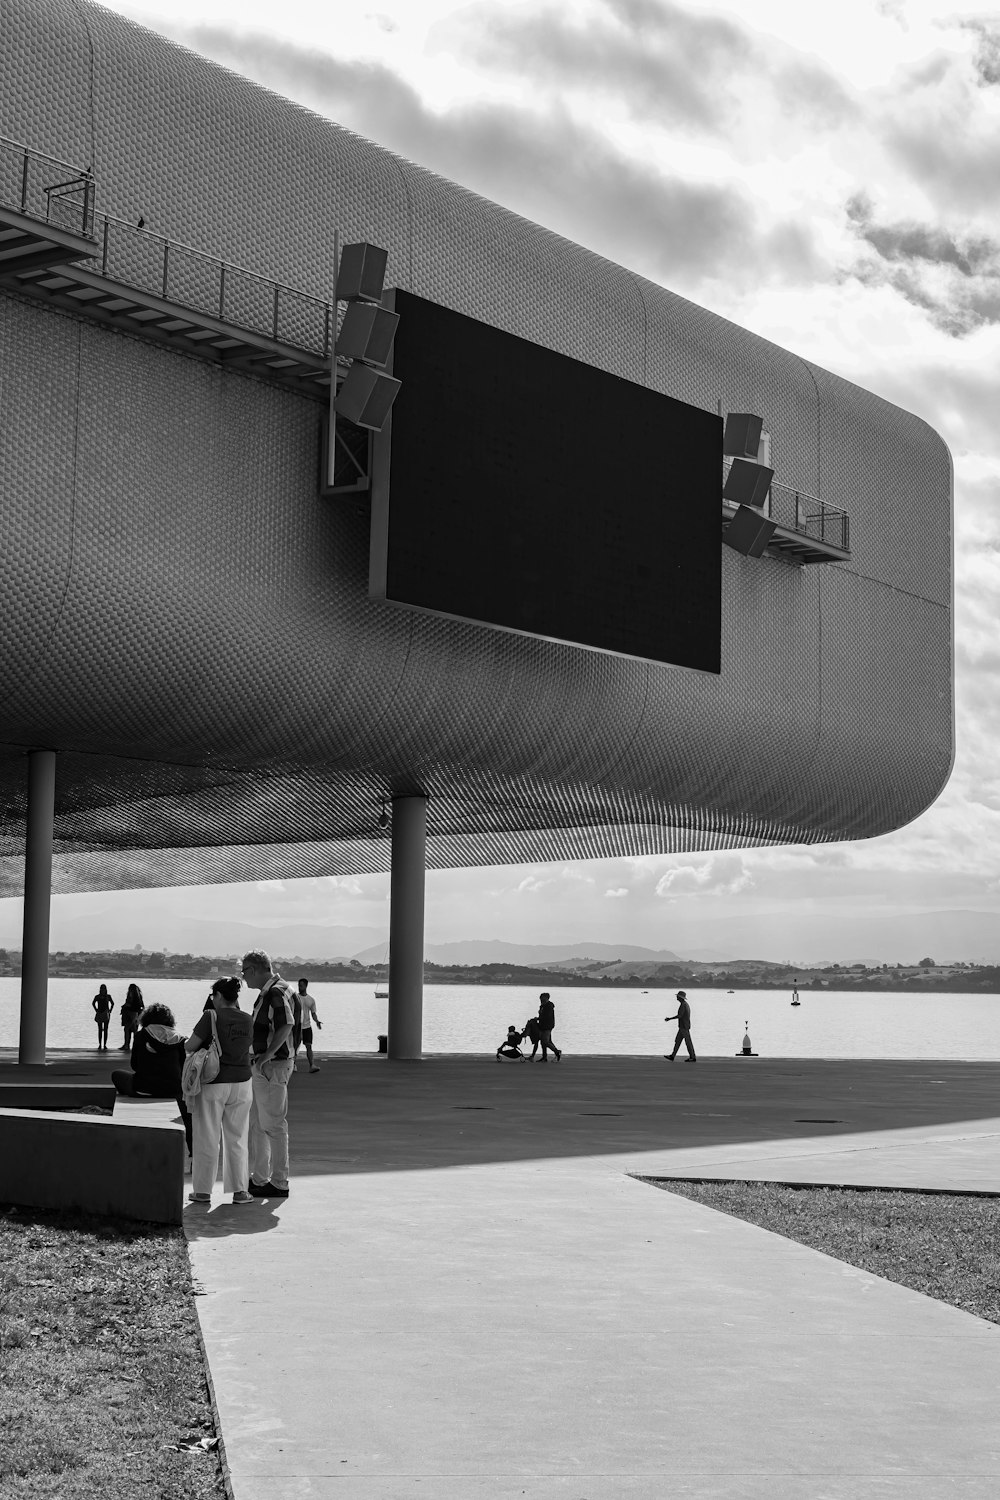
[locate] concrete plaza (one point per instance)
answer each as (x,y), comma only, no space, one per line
(469,1295)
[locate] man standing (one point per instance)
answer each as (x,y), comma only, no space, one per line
(304,1030)
(546,1021)
(683,1019)
(271,1066)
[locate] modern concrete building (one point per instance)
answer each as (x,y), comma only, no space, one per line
(199,641)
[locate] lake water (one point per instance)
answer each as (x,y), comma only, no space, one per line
(474,1018)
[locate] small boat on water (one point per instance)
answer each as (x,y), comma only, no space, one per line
(381,994)
(795,998)
(730,992)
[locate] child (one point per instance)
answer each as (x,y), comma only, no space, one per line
(510,1047)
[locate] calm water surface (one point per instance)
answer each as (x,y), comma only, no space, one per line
(474,1018)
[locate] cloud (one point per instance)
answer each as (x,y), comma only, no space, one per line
(656,61)
(956,282)
(621,891)
(539,161)
(720,875)
(986,57)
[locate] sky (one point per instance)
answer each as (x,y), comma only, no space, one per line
(828,177)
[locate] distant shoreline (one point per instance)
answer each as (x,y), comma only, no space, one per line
(114,969)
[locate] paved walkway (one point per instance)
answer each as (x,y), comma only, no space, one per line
(468,1297)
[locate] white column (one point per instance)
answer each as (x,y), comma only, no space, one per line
(406,927)
(37,900)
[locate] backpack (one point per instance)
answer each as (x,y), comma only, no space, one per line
(202,1066)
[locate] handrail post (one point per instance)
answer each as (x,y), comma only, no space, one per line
(274,322)
(24,183)
(104,250)
(166,255)
(222,293)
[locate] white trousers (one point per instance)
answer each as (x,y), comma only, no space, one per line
(221,1112)
(269,1123)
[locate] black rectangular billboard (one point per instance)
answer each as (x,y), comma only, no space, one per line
(522,489)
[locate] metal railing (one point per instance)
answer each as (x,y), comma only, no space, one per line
(54,192)
(809,516)
(46,188)
(180,274)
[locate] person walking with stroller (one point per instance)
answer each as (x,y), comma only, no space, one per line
(533,1032)
(683,1019)
(546,1023)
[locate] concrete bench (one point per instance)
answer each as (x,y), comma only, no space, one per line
(129,1165)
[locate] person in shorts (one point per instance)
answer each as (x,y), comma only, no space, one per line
(303,1034)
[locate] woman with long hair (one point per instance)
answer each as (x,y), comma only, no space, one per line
(131,1011)
(221,1109)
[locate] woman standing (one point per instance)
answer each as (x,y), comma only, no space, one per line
(157,1059)
(103,1007)
(131,1011)
(222,1107)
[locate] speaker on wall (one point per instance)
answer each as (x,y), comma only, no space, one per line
(747,483)
(367,333)
(741,438)
(361,275)
(366,397)
(749,532)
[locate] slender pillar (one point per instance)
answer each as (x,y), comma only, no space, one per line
(406,927)
(37,900)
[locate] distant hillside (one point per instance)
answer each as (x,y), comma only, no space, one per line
(492,951)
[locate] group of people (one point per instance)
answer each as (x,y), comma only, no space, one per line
(537,1030)
(243,1110)
(131,1010)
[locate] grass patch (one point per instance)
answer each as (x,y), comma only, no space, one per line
(946,1247)
(102,1381)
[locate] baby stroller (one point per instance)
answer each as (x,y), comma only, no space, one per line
(509,1049)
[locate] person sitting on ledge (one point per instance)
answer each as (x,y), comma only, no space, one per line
(510,1047)
(157,1059)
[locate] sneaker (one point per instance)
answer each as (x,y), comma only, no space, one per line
(267,1190)
(243,1197)
(314,1069)
(669,1056)
(199,1197)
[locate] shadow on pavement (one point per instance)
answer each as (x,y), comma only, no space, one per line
(367,1114)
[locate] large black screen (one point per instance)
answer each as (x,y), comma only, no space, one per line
(525,490)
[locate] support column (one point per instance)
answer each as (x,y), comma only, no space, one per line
(37,901)
(406,927)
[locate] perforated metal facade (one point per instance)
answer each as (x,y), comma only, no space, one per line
(189,624)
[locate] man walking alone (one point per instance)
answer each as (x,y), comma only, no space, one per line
(271,1066)
(683,1019)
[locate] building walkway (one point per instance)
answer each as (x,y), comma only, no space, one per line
(468,1296)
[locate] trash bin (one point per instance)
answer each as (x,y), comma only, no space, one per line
(383,1044)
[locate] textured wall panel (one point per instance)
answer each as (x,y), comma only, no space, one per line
(190,626)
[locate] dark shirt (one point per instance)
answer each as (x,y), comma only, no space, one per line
(103,1006)
(274,1008)
(235,1029)
(683,1016)
(546,1015)
(157,1065)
